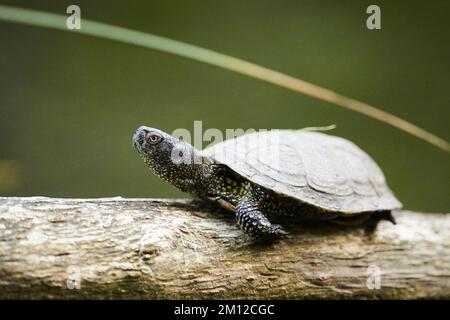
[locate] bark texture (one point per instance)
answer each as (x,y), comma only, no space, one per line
(182,249)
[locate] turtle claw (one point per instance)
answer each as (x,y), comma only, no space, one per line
(277,232)
(273,233)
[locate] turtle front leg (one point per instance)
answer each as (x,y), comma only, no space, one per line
(252,221)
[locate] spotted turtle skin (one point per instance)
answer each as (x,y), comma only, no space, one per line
(262,175)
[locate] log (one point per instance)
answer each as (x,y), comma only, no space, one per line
(186,249)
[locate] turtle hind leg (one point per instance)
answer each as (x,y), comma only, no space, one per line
(253,222)
(368,221)
(351,221)
(375,219)
(369,218)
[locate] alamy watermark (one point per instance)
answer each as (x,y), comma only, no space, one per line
(251,148)
(373,22)
(73,22)
(73,280)
(373,277)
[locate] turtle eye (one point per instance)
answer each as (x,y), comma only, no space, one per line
(154,138)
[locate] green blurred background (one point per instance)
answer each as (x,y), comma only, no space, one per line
(69,103)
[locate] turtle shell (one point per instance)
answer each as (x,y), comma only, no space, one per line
(316,168)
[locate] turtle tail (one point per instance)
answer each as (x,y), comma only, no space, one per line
(387,215)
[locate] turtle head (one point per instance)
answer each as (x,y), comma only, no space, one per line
(153,143)
(174,161)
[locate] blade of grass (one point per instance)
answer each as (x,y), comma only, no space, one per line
(325,128)
(102,30)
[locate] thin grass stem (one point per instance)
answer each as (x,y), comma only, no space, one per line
(106,31)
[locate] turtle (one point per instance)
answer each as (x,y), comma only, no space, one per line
(268,174)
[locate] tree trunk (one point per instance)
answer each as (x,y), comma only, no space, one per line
(181,249)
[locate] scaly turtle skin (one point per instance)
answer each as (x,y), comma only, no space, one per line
(260,175)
